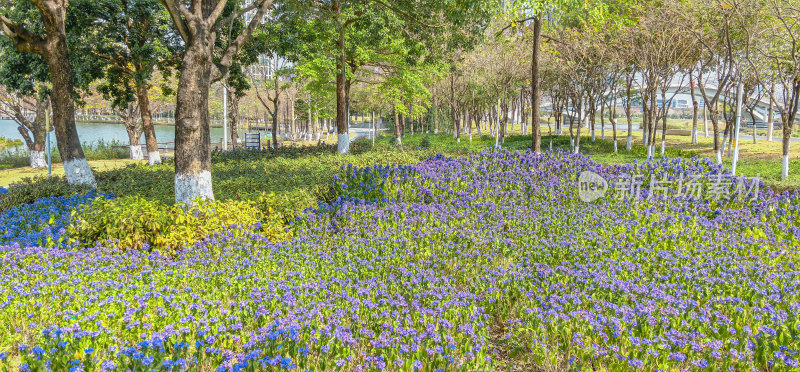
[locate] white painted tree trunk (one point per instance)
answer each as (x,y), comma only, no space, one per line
(724,141)
(136,152)
(153,158)
(785,168)
(615,146)
(719,156)
(602,130)
(629,142)
(78,172)
(663,147)
(191,186)
(770,124)
(343,145)
(38,160)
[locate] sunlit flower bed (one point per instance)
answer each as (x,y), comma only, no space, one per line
(43,223)
(477,263)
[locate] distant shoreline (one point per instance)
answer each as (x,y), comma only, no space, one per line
(162,124)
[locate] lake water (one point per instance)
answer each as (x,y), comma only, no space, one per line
(91,133)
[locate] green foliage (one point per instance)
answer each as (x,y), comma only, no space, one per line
(129,40)
(30,190)
(425,143)
(21,72)
(5,142)
(135,222)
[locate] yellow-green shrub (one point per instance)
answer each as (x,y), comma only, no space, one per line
(134,221)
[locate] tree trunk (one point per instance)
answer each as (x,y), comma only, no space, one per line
(504,124)
(233,119)
(274,119)
(592,112)
(37,156)
(53,49)
(33,132)
(787,137)
(75,165)
(397,126)
(343,136)
(580,113)
(664,133)
(435,112)
(695,106)
(536,87)
(602,121)
(714,114)
(629,119)
(612,117)
(192,121)
(292,121)
(645,127)
(770,121)
(153,155)
(131,123)
(310,122)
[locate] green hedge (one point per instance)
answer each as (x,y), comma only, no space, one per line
(134,222)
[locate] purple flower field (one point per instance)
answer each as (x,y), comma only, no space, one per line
(480,263)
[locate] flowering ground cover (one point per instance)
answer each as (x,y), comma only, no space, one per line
(44,222)
(486,262)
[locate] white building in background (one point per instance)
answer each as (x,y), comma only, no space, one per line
(267,64)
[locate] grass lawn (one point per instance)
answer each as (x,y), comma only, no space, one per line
(761,159)
(14,175)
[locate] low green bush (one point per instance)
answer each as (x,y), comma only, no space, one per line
(6,142)
(425,143)
(29,190)
(134,222)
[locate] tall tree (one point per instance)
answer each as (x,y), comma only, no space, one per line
(574,13)
(29,111)
(776,44)
(40,27)
(273,85)
(356,33)
(203,62)
(131,38)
